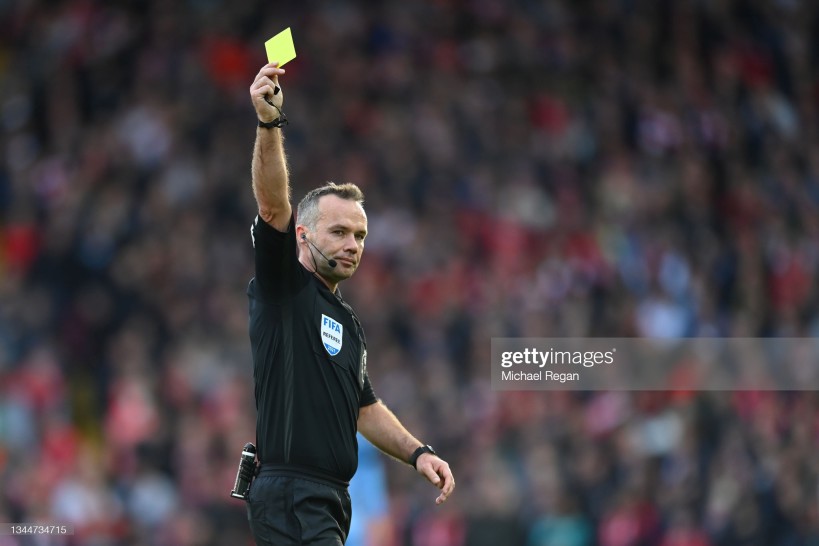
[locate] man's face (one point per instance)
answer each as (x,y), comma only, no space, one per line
(340,232)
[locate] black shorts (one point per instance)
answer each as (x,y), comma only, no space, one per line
(284,511)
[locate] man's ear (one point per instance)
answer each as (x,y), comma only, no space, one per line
(301,233)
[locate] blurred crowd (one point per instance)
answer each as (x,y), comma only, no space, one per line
(561,168)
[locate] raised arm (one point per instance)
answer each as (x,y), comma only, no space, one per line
(271,185)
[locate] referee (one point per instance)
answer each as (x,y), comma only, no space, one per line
(309,351)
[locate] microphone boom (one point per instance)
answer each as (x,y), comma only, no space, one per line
(331,262)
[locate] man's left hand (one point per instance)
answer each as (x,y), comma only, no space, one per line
(437,471)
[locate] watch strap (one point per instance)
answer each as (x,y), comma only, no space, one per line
(418,452)
(279,122)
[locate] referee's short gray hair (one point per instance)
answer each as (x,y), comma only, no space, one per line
(308,212)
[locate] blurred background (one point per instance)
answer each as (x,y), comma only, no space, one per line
(545,168)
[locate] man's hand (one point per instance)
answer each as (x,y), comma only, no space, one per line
(437,471)
(266,93)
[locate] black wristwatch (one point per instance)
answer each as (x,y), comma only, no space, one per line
(418,452)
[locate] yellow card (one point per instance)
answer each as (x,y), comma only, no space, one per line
(280,48)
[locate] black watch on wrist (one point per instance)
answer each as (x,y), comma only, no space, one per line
(418,452)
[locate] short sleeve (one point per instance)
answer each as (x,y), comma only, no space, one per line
(279,274)
(367,393)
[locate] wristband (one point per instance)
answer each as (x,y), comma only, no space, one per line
(418,452)
(280,122)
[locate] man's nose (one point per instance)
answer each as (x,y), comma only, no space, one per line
(351,244)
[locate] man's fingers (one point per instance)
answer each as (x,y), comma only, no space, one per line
(268,67)
(270,73)
(439,474)
(266,88)
(431,475)
(267,76)
(448,485)
(272,83)
(263,92)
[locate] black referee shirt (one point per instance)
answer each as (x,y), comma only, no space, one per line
(309,364)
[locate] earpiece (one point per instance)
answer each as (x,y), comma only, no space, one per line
(304,236)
